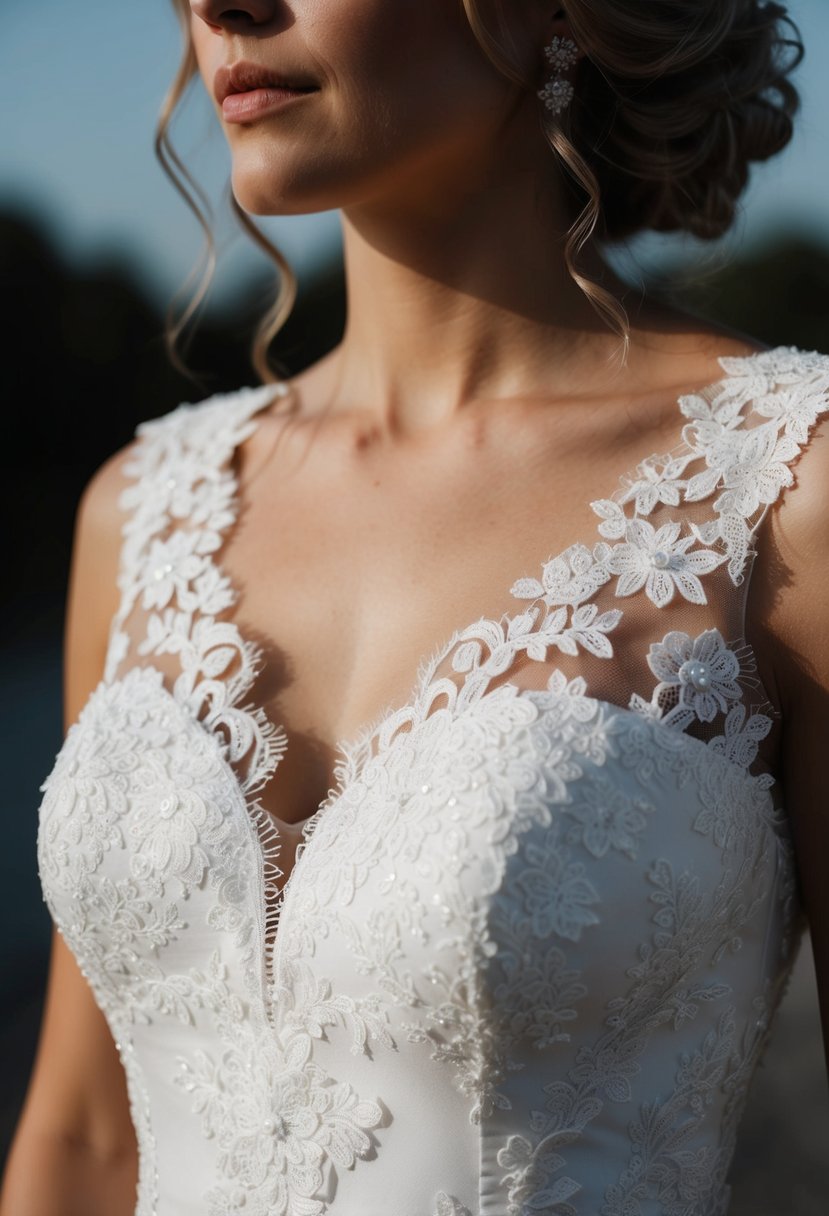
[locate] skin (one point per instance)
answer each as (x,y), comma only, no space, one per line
(469,354)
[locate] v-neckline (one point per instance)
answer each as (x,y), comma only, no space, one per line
(350,750)
(356,752)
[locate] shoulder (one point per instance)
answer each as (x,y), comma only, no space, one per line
(98,520)
(788,594)
(93,594)
(164,452)
(788,605)
(211,427)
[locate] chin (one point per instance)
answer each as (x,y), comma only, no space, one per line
(263,189)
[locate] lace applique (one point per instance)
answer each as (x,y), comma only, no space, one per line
(699,675)
(181,475)
(753,465)
(276,1116)
(447,1205)
(664,1167)
(606,818)
(749,466)
(688,925)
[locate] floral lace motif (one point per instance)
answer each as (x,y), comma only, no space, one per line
(746,467)
(450,899)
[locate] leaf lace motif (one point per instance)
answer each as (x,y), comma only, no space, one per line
(182,476)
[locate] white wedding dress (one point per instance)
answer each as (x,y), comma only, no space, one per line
(528,954)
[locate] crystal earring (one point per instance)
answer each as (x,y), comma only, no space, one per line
(561,54)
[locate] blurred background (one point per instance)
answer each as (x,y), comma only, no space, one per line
(94,242)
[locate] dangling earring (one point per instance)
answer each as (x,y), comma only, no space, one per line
(562,54)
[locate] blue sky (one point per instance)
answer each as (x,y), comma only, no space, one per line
(80,87)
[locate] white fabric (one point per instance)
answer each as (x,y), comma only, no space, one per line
(528,955)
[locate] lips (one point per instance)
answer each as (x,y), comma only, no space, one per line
(244,77)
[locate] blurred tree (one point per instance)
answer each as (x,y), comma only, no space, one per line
(85,362)
(779,295)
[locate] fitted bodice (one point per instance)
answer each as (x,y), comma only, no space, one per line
(528,953)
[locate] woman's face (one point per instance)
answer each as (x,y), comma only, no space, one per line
(405,102)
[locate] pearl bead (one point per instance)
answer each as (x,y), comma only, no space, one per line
(660,560)
(424,789)
(695,673)
(452,801)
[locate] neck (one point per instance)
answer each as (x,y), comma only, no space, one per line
(459,291)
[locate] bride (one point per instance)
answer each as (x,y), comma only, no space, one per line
(441,791)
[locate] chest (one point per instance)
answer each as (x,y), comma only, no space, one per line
(353,566)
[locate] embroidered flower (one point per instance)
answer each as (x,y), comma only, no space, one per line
(797,408)
(172,565)
(702,670)
(759,472)
(659,480)
(274,1128)
(558,897)
(741,737)
(732,808)
(659,561)
(173,821)
(606,817)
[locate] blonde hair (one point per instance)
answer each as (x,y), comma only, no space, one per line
(195,198)
(674,99)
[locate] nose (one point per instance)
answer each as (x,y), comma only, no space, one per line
(234,18)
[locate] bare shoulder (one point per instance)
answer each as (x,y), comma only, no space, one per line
(93,594)
(99,521)
(790,578)
(98,512)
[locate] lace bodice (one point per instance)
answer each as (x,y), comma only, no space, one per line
(528,952)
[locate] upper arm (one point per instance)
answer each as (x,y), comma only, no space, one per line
(93,596)
(78,1087)
(793,554)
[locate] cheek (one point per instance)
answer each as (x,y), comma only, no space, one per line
(398,57)
(207,48)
